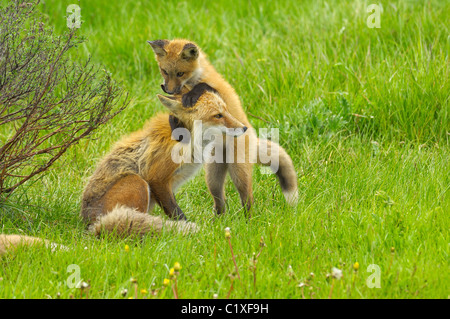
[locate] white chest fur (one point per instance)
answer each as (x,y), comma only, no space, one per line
(184,173)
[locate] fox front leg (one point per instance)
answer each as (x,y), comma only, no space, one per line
(215,174)
(166,199)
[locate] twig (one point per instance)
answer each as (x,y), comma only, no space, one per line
(331,290)
(234,259)
(175,289)
(258,117)
(231,287)
(255,261)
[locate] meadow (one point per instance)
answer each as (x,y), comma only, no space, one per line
(363,113)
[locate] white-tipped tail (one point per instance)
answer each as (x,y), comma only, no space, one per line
(291,197)
(273,155)
(124,221)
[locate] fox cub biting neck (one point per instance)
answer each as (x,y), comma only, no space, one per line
(182,62)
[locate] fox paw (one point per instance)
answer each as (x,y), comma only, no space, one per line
(189,99)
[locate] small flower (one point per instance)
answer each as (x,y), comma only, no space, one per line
(127,248)
(171,272)
(133,280)
(311,275)
(144,291)
(124,292)
(301,285)
(261,242)
(290,271)
(177,266)
(227,232)
(130,297)
(215,296)
(84,285)
(392,249)
(166,282)
(356,266)
(336,273)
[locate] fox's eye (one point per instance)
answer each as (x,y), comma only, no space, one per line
(165,72)
(218,116)
(180,74)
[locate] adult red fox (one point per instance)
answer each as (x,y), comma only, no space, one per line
(182,62)
(140,170)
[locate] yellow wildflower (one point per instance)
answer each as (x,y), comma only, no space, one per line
(177,266)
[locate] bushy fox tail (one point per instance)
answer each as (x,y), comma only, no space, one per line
(124,221)
(10,242)
(281,164)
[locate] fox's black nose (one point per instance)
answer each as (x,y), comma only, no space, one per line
(244,128)
(175,91)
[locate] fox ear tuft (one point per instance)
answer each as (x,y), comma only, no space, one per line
(189,52)
(158,46)
(169,102)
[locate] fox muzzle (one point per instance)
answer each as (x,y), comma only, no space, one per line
(176,90)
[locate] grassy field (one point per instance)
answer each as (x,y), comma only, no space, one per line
(363,112)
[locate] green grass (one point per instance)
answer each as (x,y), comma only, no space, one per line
(364,114)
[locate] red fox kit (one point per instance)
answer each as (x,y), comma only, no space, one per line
(140,170)
(181,62)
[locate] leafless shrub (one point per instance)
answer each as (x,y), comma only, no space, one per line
(47,102)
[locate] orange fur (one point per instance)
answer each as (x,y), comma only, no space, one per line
(184,57)
(139,171)
(11,242)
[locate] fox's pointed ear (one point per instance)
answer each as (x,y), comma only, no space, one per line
(170,102)
(189,52)
(158,46)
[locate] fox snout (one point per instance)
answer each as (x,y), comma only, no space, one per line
(174,90)
(236,132)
